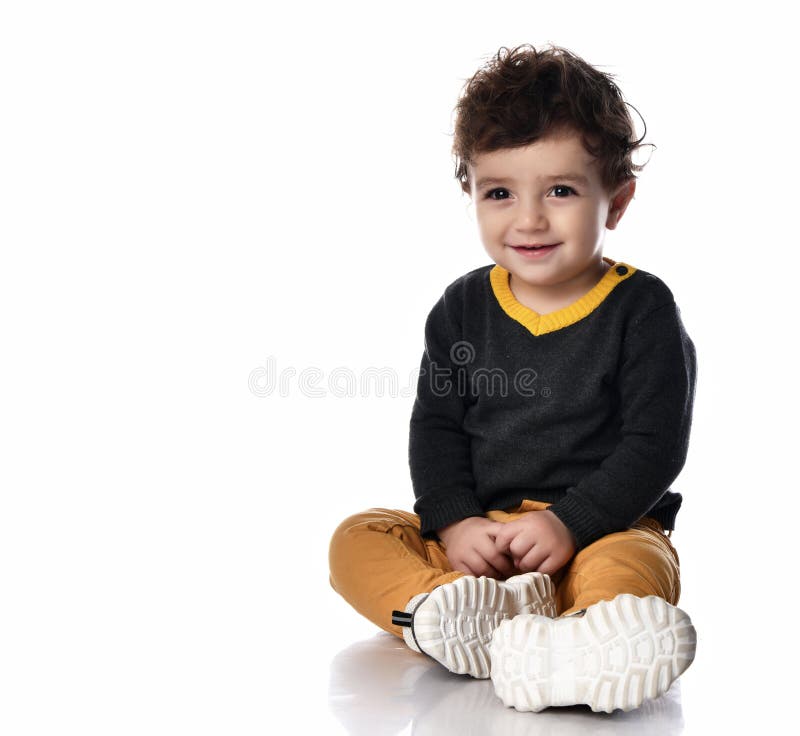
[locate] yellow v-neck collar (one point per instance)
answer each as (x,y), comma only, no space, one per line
(540,324)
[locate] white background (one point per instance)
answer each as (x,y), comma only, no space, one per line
(191,192)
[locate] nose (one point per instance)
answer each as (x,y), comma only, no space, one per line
(530,216)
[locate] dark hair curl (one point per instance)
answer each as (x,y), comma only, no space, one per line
(523,94)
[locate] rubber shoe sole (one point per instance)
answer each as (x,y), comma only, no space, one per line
(456,622)
(613,657)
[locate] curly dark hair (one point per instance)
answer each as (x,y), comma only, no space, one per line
(521,95)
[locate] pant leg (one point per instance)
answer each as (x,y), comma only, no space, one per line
(379,561)
(640,561)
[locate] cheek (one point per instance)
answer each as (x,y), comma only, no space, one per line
(488,227)
(597,217)
(589,223)
(494,223)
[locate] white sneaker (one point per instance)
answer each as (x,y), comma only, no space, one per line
(615,655)
(454,623)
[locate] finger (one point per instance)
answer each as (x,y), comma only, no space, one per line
(504,538)
(521,545)
(487,549)
(494,528)
(462,566)
(482,567)
(501,563)
(490,571)
(493,572)
(549,566)
(535,557)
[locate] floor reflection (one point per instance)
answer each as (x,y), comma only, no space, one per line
(378,687)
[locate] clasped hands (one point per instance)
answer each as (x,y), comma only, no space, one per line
(537,541)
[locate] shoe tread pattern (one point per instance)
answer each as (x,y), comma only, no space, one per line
(456,622)
(614,657)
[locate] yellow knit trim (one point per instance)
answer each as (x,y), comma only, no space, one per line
(540,324)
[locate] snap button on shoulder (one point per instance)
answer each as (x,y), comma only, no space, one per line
(621,270)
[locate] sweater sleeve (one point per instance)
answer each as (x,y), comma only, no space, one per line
(439,451)
(657,385)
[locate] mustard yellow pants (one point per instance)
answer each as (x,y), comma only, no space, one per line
(379,561)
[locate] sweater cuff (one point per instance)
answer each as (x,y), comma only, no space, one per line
(441,512)
(585,527)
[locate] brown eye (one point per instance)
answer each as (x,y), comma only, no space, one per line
(497,194)
(561,191)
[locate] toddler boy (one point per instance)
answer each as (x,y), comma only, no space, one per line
(553,411)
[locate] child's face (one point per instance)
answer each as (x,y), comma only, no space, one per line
(546,193)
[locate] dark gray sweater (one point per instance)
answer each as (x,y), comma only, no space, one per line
(588,407)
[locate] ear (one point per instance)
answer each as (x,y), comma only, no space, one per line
(620,200)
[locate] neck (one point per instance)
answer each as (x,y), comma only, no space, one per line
(549,298)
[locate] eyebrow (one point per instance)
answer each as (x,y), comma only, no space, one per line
(495,181)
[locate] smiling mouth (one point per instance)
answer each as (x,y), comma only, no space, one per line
(534,247)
